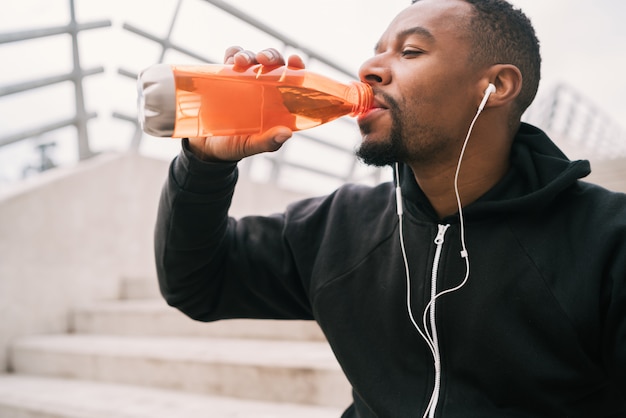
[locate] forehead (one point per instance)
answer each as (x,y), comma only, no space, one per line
(443,19)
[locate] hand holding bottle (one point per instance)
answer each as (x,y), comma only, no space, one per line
(234,148)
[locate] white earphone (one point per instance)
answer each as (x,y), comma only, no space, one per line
(490,89)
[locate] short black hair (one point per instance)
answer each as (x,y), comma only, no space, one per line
(502,34)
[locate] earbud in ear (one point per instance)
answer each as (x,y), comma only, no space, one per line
(490,89)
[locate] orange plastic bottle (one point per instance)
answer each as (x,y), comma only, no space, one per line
(213,99)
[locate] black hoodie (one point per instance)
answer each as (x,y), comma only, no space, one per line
(538,330)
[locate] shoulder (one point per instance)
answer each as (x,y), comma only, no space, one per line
(348,201)
(601,202)
(594,217)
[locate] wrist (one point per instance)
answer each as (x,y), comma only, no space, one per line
(198,149)
(198,176)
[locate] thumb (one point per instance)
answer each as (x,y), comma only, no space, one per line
(275,137)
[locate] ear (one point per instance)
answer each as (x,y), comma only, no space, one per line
(508,81)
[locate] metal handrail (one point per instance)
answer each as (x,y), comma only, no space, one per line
(76,76)
(565,113)
(27,35)
(164,42)
(43,129)
(46,81)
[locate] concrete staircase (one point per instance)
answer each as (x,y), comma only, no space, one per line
(136,357)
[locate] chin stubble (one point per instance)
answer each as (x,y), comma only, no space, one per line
(383,152)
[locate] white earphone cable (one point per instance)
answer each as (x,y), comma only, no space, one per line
(429,337)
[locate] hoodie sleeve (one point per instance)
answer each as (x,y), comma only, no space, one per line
(211,266)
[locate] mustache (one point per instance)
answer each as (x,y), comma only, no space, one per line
(387,99)
(390,103)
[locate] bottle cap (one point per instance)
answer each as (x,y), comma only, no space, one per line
(157,100)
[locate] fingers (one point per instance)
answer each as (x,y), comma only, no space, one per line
(269,141)
(295,61)
(236,55)
(277,136)
(270,57)
(230,53)
(235,148)
(243,58)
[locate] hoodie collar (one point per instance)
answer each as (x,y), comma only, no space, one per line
(539,172)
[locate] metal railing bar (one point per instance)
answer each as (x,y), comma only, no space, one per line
(165,43)
(171,29)
(84,150)
(127,73)
(76,76)
(34,132)
(280,36)
(122,116)
(29,34)
(47,81)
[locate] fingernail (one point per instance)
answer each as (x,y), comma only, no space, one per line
(281,138)
(269,54)
(243,55)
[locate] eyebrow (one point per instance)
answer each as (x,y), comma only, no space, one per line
(416,30)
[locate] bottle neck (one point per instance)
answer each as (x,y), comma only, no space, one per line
(364,97)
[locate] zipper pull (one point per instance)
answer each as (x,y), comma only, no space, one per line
(441,233)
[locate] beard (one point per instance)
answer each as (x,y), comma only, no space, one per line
(384,152)
(409,140)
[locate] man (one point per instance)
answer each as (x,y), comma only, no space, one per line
(499,290)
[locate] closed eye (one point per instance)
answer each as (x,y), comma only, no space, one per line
(411,52)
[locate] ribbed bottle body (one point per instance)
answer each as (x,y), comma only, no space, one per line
(212,99)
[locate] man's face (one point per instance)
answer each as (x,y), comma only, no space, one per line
(424,86)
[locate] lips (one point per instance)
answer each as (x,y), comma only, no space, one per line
(378,103)
(378,107)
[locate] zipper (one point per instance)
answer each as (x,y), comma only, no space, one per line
(439,241)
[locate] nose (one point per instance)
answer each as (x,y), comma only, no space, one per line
(373,71)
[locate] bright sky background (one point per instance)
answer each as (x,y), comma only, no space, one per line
(583,44)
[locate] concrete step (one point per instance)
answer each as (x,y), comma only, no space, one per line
(154,317)
(138,288)
(38,397)
(275,371)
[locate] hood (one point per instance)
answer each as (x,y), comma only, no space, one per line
(539,173)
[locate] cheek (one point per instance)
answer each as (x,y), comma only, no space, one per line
(432,85)
(437,105)
(418,97)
